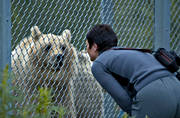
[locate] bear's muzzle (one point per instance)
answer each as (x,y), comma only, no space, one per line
(59,61)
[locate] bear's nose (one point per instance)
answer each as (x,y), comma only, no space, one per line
(59,57)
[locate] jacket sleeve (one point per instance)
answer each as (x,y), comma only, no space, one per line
(110,84)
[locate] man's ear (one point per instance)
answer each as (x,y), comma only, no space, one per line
(95,47)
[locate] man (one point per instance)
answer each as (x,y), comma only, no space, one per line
(136,80)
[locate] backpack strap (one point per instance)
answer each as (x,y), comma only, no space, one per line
(137,49)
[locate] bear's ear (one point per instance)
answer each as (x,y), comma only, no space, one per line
(66,35)
(35,32)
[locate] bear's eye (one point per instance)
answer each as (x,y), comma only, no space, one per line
(63,48)
(48,47)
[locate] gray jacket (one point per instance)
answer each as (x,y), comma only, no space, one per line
(137,67)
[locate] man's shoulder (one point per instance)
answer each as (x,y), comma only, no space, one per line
(104,55)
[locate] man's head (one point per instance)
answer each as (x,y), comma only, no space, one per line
(100,38)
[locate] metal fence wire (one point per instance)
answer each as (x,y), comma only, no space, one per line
(175,26)
(48,43)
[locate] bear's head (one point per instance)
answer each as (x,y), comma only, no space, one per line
(50,52)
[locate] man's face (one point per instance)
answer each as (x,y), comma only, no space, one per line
(93,53)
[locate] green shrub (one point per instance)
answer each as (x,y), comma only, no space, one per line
(8,101)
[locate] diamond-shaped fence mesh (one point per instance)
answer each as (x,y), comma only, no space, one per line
(175,27)
(48,43)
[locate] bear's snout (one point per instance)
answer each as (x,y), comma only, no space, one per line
(59,57)
(59,60)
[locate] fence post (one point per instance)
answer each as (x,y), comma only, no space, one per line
(107,15)
(5,34)
(162,24)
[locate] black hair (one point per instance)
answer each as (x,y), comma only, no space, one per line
(103,35)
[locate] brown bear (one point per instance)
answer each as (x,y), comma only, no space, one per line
(45,60)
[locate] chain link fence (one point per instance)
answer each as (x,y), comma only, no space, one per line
(47,56)
(175,26)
